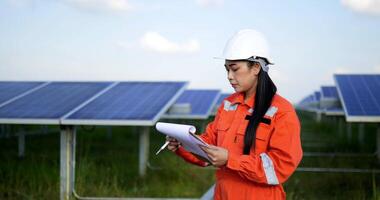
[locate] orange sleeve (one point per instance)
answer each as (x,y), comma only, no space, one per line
(282,158)
(209,136)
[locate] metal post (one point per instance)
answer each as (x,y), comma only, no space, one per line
(21,143)
(349,132)
(361,134)
(144,150)
(109,132)
(319,116)
(340,127)
(378,142)
(67,162)
(44,129)
(2,130)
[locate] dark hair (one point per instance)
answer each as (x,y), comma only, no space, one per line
(265,91)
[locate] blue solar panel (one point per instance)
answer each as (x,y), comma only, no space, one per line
(128,101)
(309,103)
(221,98)
(360,95)
(329,92)
(51,101)
(201,103)
(317,96)
(9,90)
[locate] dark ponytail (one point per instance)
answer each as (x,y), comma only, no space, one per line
(265,91)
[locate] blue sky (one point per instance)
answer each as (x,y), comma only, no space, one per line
(177,40)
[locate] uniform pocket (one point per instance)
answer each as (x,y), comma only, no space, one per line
(263,133)
(222,127)
(262,138)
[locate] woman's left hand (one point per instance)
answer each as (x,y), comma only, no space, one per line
(218,155)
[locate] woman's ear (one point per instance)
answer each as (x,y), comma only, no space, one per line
(256,68)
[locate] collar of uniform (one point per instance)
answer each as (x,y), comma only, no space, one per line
(239,99)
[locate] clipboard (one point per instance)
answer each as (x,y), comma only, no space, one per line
(185,134)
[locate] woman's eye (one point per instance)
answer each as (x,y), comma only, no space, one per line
(235,69)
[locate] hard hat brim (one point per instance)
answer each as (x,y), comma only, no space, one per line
(222,58)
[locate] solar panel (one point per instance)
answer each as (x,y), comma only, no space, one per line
(328,92)
(200,103)
(219,102)
(221,98)
(317,96)
(128,103)
(10,89)
(47,104)
(360,96)
(330,103)
(309,103)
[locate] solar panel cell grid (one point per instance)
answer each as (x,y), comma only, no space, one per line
(360,94)
(329,92)
(201,100)
(9,90)
(52,101)
(130,100)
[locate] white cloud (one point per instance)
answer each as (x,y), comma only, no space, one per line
(156,42)
(371,7)
(210,3)
(101,5)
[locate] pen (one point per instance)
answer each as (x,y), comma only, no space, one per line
(163,147)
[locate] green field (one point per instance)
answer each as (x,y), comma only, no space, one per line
(107,166)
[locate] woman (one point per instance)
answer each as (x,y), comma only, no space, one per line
(255,136)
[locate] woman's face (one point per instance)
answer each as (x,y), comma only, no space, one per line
(243,78)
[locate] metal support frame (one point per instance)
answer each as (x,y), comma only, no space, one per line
(340,127)
(21,144)
(378,142)
(143,150)
(319,116)
(109,132)
(349,132)
(67,162)
(361,134)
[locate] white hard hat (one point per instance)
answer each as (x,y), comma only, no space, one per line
(247,44)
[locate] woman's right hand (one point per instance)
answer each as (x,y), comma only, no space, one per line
(173,144)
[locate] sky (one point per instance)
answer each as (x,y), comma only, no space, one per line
(122,40)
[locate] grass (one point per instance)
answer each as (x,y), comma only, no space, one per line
(108,166)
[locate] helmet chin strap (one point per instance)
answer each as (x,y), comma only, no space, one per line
(261,61)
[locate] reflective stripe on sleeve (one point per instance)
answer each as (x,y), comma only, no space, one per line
(270,174)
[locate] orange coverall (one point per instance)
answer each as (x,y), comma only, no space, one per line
(275,157)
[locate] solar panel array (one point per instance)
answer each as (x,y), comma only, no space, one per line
(356,96)
(360,96)
(98,103)
(330,103)
(307,103)
(329,92)
(201,103)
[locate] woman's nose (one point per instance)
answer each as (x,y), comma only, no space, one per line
(229,75)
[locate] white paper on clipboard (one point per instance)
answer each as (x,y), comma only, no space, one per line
(185,134)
